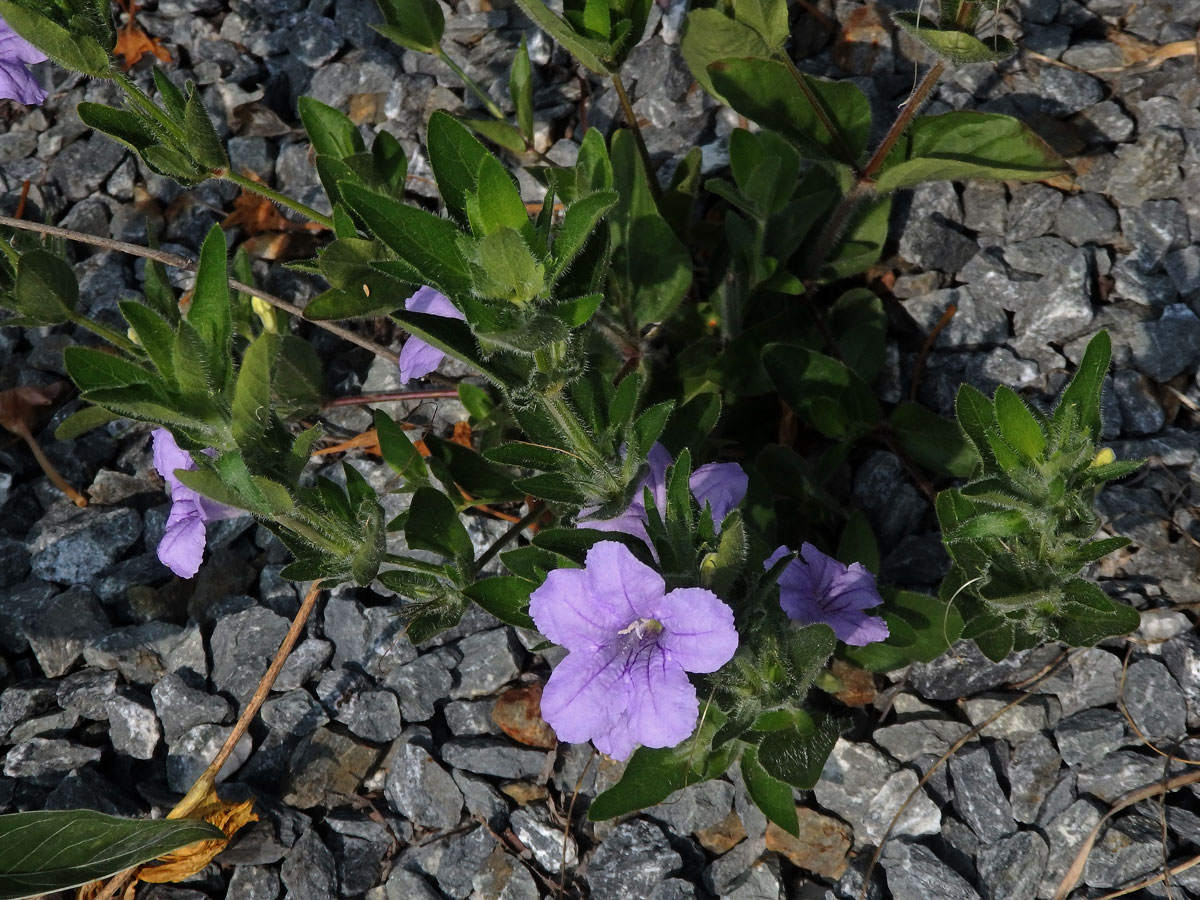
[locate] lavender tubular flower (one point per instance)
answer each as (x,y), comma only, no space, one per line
(816,588)
(417,357)
(182,546)
(16,81)
(630,646)
(720,485)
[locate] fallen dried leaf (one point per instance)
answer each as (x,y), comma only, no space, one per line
(185,862)
(133,42)
(518,712)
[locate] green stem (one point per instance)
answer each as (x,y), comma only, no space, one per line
(471,84)
(535,512)
(848,155)
(311,534)
(638,140)
(581,442)
(149,107)
(103,331)
(415,565)
(282,199)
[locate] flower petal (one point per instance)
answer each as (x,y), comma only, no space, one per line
(433,302)
(585,694)
(168,457)
(721,485)
(182,546)
(18,83)
(567,612)
(698,632)
(418,359)
(13,46)
(623,584)
(662,702)
(858,630)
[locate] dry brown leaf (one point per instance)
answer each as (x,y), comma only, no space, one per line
(132,41)
(189,860)
(17,406)
(256,214)
(462,434)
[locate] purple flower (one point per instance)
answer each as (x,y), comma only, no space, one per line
(182,546)
(630,646)
(721,485)
(417,358)
(16,81)
(816,588)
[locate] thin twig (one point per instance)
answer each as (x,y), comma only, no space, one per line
(562,871)
(190,265)
(1128,799)
(1154,879)
(636,130)
(391,397)
(919,365)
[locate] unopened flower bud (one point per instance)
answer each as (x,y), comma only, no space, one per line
(266,314)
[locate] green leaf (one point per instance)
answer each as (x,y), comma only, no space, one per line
(456,158)
(837,401)
(1018,425)
(1090,615)
(202,141)
(530,456)
(505,597)
(963,145)
(532,563)
(503,268)
(121,125)
(552,486)
(709,35)
(772,796)
(590,53)
(252,392)
(861,247)
(155,335)
(330,131)
(172,97)
(499,133)
(995,524)
(425,244)
(210,312)
(483,481)
(45,291)
(390,163)
(796,755)
(692,422)
(652,269)
(398,451)
(858,544)
(931,441)
(495,203)
(921,629)
(651,776)
(55,850)
(82,421)
(860,326)
(415,24)
(75,51)
(578,224)
(455,339)
(433,524)
(766,91)
(520,89)
(954,47)
(296,384)
(95,370)
(1086,384)
(975,415)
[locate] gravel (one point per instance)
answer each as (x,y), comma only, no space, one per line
(373,762)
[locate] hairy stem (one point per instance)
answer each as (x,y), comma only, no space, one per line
(103,331)
(839,138)
(190,265)
(638,140)
(276,197)
(582,444)
(141,100)
(391,397)
(489,104)
(911,107)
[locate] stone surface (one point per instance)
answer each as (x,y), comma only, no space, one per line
(490,659)
(630,862)
(421,790)
(492,756)
(1089,736)
(72,545)
(913,871)
(45,760)
(820,847)
(180,707)
(308,871)
(1155,701)
(132,725)
(1033,771)
(978,796)
(325,768)
(545,840)
(243,645)
(1013,867)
